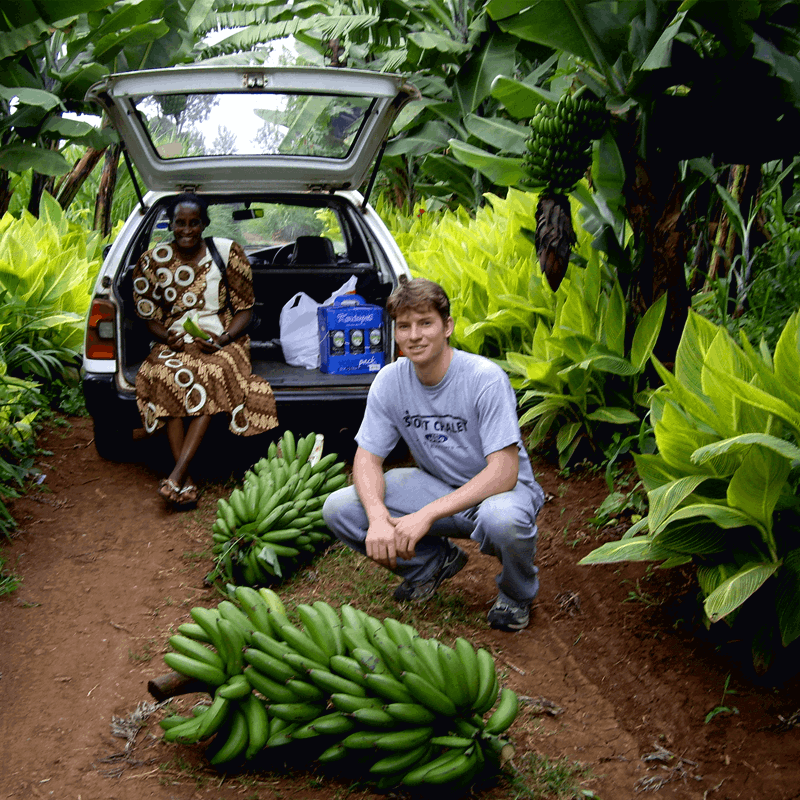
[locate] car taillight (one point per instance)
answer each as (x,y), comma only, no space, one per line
(101,331)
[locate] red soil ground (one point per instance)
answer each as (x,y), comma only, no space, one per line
(611,670)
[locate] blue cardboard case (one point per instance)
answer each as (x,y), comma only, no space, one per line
(351,336)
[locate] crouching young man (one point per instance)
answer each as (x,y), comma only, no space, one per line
(457,413)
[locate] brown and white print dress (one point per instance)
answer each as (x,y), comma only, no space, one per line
(189,382)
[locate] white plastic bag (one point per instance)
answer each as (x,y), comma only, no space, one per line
(299,334)
(348,287)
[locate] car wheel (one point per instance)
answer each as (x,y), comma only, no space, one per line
(112,441)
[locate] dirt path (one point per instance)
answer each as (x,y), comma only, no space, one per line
(108,572)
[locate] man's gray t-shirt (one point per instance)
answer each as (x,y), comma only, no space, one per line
(451,427)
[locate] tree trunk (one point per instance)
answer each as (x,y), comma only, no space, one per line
(5,191)
(39,185)
(105,194)
(654,196)
(71,183)
(725,239)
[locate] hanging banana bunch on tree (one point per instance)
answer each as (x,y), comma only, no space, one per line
(559,153)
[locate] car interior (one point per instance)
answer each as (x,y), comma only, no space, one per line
(294,244)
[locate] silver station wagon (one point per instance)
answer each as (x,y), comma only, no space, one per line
(286,159)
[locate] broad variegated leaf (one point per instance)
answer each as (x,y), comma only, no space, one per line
(698,334)
(654,471)
(721,515)
(788,597)
(646,334)
(665,499)
(733,592)
(743,442)
(756,487)
(616,416)
(693,538)
(786,358)
(634,549)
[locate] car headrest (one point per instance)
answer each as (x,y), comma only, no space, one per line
(313,251)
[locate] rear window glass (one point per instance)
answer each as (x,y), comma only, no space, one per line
(257,225)
(192,125)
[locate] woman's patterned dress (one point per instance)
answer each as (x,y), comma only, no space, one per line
(189,382)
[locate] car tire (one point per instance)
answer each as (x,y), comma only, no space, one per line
(112,441)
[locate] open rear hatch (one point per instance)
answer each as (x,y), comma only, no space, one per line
(288,129)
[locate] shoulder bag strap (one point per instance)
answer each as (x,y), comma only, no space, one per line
(223,268)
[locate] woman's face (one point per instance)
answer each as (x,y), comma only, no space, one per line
(188,227)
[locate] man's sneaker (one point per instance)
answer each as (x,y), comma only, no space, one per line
(454,561)
(507,615)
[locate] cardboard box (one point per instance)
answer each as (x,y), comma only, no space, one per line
(351,336)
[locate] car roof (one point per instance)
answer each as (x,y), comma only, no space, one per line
(321,128)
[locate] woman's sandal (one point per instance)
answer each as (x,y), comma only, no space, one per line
(169,491)
(187,497)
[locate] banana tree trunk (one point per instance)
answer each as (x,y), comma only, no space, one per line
(654,196)
(105,194)
(71,184)
(39,185)
(5,191)
(725,239)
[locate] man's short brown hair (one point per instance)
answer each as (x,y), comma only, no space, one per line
(416,295)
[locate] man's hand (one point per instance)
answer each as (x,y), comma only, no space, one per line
(408,530)
(381,543)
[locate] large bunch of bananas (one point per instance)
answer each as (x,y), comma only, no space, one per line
(560,144)
(404,709)
(275,517)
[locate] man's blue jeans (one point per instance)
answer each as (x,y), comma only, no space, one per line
(504,526)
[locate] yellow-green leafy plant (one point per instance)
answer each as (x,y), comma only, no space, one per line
(47,268)
(19,404)
(487,266)
(577,374)
(722,486)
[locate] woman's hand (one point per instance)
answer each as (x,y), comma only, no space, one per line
(213,344)
(174,340)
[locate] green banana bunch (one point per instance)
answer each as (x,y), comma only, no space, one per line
(560,143)
(409,710)
(274,520)
(191,326)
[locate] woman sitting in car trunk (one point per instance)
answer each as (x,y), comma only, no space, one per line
(186,379)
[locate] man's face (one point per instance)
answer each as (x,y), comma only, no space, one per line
(422,335)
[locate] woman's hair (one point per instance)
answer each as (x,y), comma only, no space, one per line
(418,294)
(190,199)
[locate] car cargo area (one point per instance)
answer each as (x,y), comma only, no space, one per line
(302,244)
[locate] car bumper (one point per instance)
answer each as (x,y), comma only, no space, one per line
(104,401)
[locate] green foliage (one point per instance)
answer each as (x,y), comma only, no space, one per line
(487,267)
(577,373)
(20,402)
(722,708)
(47,268)
(9,582)
(722,486)
(762,279)
(50,54)
(566,351)
(539,777)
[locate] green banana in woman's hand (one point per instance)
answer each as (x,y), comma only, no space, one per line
(190,326)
